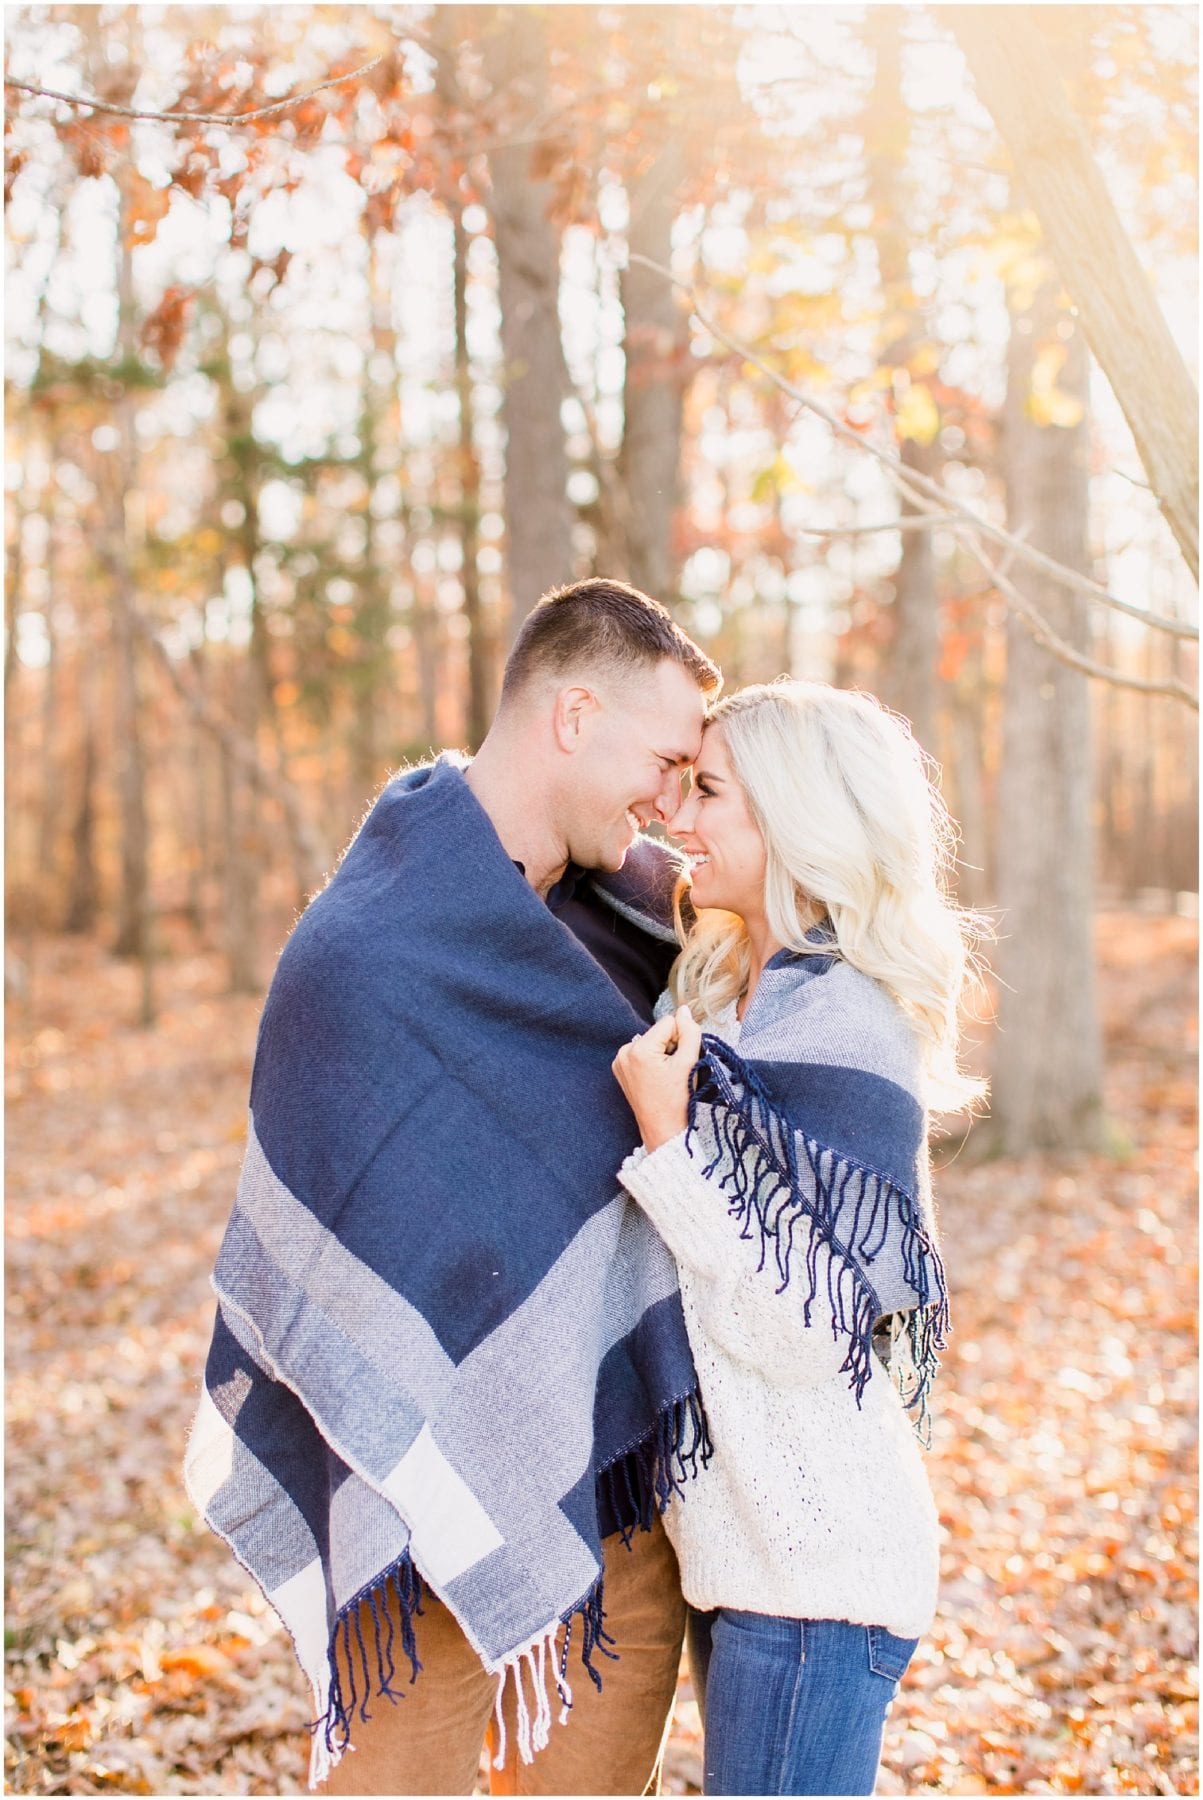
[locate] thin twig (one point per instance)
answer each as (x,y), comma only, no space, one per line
(274,783)
(1044,633)
(1070,578)
(1056,645)
(190,118)
(907,522)
(1133,479)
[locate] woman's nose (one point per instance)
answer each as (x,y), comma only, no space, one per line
(682,818)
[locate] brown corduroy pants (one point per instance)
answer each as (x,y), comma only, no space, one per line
(431,1741)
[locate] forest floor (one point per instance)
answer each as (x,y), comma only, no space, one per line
(142,1661)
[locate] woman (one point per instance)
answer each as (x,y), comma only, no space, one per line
(784,1162)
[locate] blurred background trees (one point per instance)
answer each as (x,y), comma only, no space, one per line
(305,411)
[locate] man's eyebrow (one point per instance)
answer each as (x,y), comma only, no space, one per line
(675,756)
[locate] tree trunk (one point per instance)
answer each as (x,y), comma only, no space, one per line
(538,515)
(239,909)
(656,341)
(133,895)
(964,722)
(197,775)
(133,900)
(83,900)
(370,675)
(908,675)
(1112,769)
(480,650)
(49,821)
(425,624)
(1047,1079)
(253,687)
(13,563)
(479,673)
(117,476)
(1017,78)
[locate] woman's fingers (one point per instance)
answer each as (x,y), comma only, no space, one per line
(676,1034)
(689,1035)
(662,1037)
(677,1030)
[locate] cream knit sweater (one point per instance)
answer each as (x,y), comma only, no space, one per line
(810,1507)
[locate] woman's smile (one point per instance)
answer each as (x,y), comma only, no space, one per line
(718,834)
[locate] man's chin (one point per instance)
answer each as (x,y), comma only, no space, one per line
(612,858)
(609,856)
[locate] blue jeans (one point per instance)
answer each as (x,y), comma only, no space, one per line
(792,1706)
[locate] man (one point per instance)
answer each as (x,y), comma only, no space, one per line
(450,1388)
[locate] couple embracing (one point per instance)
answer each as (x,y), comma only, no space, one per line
(582,1272)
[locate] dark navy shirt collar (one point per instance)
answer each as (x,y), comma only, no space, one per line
(563,890)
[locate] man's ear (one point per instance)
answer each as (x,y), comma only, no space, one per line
(575,710)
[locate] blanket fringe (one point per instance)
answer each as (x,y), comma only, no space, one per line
(640,1484)
(532,1665)
(760,1158)
(332,1730)
(647,1476)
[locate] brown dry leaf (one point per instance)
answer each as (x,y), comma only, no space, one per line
(201,1660)
(146,208)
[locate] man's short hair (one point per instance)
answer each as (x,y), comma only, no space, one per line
(601,622)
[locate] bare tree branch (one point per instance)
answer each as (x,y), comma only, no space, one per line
(1044,634)
(907,522)
(1056,646)
(931,489)
(190,118)
(1133,479)
(312,854)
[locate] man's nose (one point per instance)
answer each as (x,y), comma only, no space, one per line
(668,800)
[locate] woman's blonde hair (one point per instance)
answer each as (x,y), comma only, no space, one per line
(855,830)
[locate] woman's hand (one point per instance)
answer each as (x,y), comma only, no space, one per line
(653,1072)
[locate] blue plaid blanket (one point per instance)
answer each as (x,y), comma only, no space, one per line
(817,1131)
(448,1350)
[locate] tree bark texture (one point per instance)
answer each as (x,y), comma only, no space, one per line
(196,776)
(133,905)
(538,514)
(909,681)
(13,564)
(372,673)
(910,668)
(239,909)
(250,699)
(656,346)
(480,648)
(83,898)
(133,937)
(428,650)
(479,657)
(1016,76)
(1047,1077)
(963,724)
(50,821)
(133,892)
